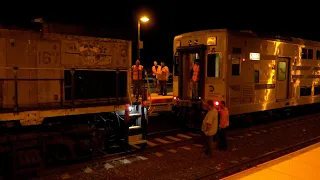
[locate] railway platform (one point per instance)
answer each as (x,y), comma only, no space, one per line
(159,99)
(302,164)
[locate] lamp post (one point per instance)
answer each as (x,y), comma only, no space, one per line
(142,19)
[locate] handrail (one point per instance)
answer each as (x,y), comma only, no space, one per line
(73,99)
(149,91)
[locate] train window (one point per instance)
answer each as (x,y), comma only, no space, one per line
(307,53)
(256,76)
(236,50)
(304,53)
(281,71)
(213,67)
(93,84)
(235,66)
(316,90)
(305,91)
(318,54)
(310,53)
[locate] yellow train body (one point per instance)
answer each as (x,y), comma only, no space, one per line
(250,71)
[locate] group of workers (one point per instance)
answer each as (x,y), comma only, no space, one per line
(160,76)
(217,118)
(214,125)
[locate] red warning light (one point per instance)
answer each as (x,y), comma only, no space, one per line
(216,103)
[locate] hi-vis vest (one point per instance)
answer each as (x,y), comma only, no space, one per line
(137,72)
(224,118)
(163,73)
(155,70)
(195,76)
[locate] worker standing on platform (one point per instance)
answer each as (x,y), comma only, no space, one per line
(137,79)
(224,123)
(163,75)
(195,79)
(210,126)
(155,68)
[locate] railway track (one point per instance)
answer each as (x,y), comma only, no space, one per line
(183,142)
(155,145)
(149,163)
(29,160)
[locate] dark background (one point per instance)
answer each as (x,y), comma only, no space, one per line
(118,19)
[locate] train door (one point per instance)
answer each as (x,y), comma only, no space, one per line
(282,81)
(186,57)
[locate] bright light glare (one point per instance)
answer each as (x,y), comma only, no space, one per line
(174,98)
(144,19)
(216,103)
(130,108)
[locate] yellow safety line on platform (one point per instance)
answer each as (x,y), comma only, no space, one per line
(184,136)
(151,143)
(173,138)
(161,140)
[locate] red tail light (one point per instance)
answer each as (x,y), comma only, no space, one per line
(128,107)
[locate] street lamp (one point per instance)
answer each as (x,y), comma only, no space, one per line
(143,19)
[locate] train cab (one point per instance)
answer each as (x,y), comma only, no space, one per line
(209,51)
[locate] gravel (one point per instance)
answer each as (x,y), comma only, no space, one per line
(188,164)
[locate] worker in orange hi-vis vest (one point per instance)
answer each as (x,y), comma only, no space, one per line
(137,78)
(195,79)
(163,75)
(155,68)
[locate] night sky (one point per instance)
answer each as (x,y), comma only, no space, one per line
(118,19)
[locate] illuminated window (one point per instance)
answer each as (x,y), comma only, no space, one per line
(213,68)
(256,76)
(282,69)
(254,56)
(306,53)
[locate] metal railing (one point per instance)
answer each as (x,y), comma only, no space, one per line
(13,73)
